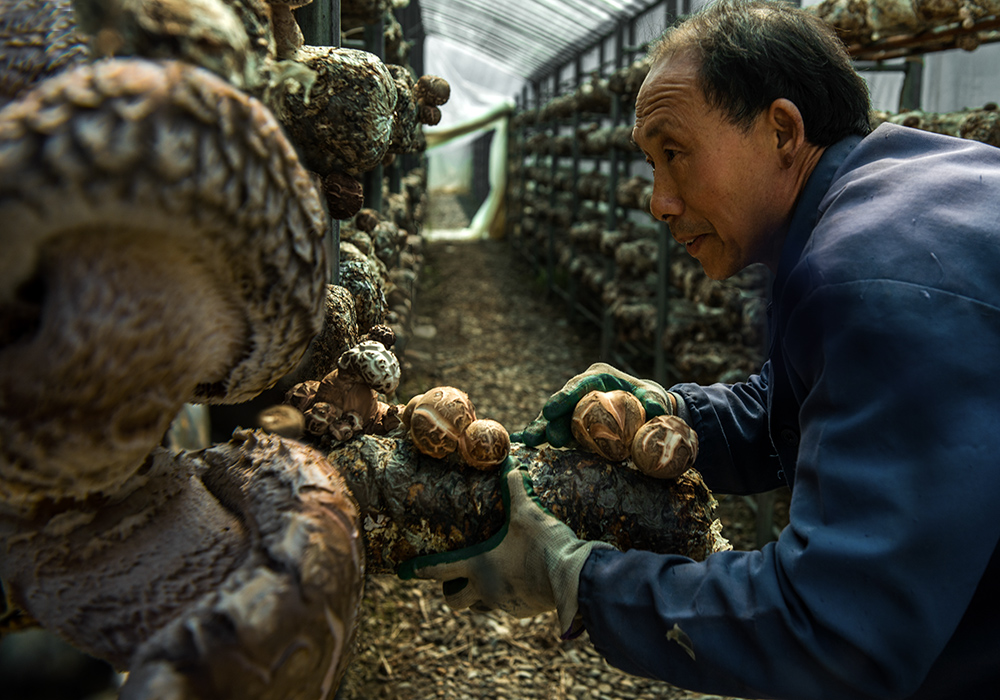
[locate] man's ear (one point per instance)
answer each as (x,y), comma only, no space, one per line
(785,119)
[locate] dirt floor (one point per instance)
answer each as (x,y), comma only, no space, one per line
(484,324)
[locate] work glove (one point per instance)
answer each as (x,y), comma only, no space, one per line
(530,566)
(553,424)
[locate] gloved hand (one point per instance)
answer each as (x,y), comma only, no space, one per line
(553,424)
(531,566)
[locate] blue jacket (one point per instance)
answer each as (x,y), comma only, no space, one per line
(880,406)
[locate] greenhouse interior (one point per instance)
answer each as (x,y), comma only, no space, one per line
(555,349)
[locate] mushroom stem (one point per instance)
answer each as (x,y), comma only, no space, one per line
(287,34)
(136,311)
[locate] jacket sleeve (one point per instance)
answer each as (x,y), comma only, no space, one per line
(892,517)
(735,454)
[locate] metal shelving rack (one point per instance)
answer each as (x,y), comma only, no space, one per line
(614,50)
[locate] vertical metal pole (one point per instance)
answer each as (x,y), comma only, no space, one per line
(608,321)
(662,304)
(550,255)
(571,282)
(320,23)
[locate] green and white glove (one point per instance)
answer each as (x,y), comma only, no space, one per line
(553,423)
(531,566)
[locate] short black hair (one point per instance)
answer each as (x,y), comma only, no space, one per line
(752,52)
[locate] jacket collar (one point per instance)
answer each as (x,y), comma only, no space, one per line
(806,213)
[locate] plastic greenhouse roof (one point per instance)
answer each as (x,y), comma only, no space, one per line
(526,37)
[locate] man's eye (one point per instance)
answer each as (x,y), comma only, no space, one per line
(670,154)
(649,161)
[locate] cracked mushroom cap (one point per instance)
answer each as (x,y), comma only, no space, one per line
(664,447)
(437,420)
(485,444)
(374,364)
(605,422)
(161,244)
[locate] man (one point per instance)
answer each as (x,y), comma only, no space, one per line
(876,405)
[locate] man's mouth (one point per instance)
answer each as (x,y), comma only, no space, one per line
(694,245)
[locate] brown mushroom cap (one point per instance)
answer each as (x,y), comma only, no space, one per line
(485,444)
(347,394)
(205,33)
(664,447)
(605,422)
(432,90)
(437,419)
(38,38)
(161,244)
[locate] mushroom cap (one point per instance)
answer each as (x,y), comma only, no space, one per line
(605,422)
(664,447)
(438,418)
(485,444)
(373,364)
(347,394)
(432,90)
(38,38)
(283,420)
(161,244)
(205,33)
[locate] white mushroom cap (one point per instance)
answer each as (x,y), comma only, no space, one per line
(374,364)
(161,243)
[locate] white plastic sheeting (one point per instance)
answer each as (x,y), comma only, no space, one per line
(487,49)
(524,36)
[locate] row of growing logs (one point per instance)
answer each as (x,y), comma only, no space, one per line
(714,331)
(864,21)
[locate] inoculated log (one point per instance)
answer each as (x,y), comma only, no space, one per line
(975,124)
(411,504)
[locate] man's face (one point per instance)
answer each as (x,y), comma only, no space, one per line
(720,189)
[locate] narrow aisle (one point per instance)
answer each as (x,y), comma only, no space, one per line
(484,325)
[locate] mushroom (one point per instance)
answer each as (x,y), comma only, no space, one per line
(345,402)
(162,244)
(664,447)
(437,419)
(432,90)
(606,422)
(206,33)
(283,420)
(38,38)
(373,365)
(485,444)
(345,195)
(350,406)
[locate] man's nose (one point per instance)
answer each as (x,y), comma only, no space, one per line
(666,201)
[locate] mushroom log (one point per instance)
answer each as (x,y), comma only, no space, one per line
(412,504)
